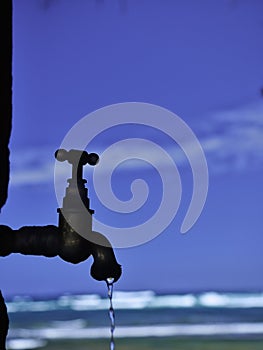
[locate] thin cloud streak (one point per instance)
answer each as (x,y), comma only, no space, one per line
(232,141)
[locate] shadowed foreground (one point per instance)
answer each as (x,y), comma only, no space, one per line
(159,343)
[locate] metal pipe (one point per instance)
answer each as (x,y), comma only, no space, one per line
(49,241)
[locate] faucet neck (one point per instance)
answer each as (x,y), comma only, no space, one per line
(76,195)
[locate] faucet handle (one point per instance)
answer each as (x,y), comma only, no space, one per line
(77,157)
(76,192)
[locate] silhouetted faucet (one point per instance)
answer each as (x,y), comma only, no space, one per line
(73,240)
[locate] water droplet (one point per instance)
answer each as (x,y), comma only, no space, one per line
(110,280)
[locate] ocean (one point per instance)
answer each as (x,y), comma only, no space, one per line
(81,321)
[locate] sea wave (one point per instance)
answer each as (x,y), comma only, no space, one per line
(166,330)
(28,343)
(138,301)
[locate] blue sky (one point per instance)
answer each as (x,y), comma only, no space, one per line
(200,59)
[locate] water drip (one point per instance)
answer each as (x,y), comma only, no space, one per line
(110,282)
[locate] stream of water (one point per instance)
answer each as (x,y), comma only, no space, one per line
(110,282)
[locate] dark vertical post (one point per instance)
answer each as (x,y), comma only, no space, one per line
(4,322)
(5,95)
(5,127)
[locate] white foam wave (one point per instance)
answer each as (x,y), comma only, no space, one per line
(32,306)
(231,300)
(22,344)
(140,300)
(146,331)
(70,325)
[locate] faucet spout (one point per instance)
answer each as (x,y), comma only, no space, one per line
(105,265)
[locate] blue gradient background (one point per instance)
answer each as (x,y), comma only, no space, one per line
(203,60)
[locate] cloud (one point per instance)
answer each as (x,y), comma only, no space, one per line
(232,140)
(31,166)
(46,4)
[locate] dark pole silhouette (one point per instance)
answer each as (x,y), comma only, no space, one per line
(5,128)
(6,95)
(4,322)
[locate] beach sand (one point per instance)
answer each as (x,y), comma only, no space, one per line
(158,343)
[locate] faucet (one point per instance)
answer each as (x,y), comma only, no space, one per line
(73,239)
